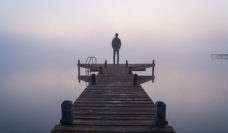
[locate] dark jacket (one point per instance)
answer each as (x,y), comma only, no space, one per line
(116,43)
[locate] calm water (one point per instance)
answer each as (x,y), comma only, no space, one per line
(41,41)
(36,79)
(195,94)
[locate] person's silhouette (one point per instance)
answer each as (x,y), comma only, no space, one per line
(116,44)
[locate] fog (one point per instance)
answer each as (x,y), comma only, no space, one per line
(40,43)
(37,75)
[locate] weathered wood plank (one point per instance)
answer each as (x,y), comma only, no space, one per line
(115,117)
(114,107)
(114,104)
(123,129)
(113,112)
(114,122)
(114,99)
(114,96)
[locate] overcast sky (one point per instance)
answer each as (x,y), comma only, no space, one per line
(40,26)
(83,19)
(41,41)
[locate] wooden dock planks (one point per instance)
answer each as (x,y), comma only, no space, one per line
(114,104)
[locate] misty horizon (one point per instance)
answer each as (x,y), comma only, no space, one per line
(41,41)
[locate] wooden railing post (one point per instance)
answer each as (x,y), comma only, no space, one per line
(93,79)
(135,81)
(153,76)
(126,64)
(129,70)
(105,63)
(79,71)
(67,117)
(161,114)
(100,70)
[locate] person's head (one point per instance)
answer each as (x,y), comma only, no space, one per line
(116,34)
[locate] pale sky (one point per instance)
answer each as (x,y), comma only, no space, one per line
(82,19)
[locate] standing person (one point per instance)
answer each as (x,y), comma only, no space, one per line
(116,44)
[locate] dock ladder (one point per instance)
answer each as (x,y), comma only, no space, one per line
(91,60)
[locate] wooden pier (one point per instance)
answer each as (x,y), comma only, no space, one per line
(219,56)
(114,102)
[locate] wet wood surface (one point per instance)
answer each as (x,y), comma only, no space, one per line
(114,104)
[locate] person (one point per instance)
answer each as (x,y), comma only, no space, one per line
(116,44)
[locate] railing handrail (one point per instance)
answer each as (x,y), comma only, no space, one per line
(90,60)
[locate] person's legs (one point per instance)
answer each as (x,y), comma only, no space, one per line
(117,56)
(114,54)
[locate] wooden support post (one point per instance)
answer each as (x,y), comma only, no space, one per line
(93,79)
(79,71)
(161,114)
(105,63)
(100,70)
(67,117)
(135,81)
(129,70)
(126,64)
(153,76)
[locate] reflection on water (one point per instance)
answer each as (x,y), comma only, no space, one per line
(195,93)
(30,102)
